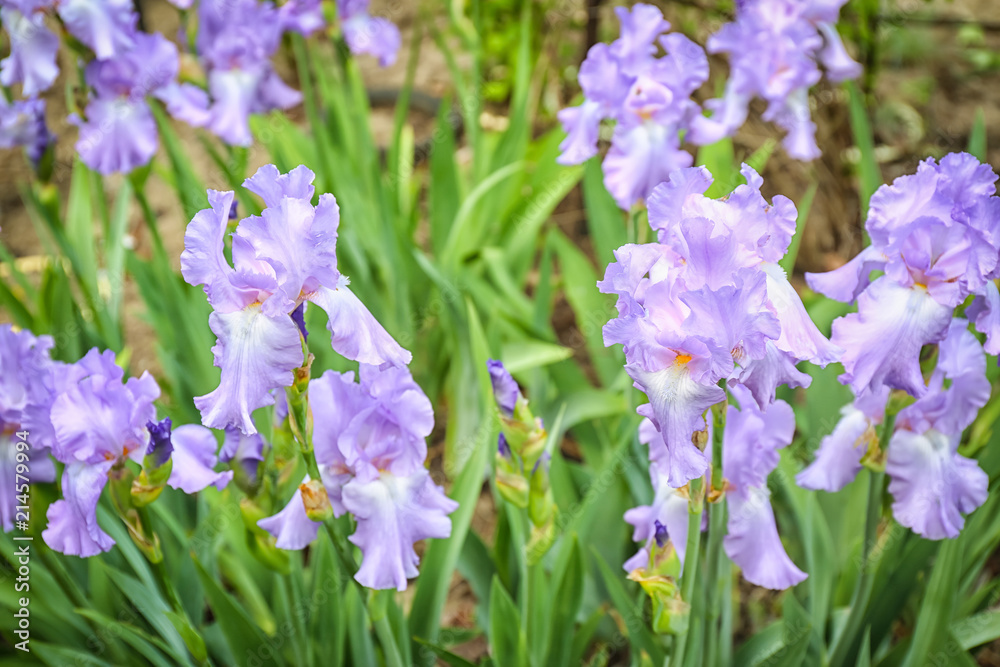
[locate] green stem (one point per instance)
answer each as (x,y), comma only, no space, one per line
(377,604)
(717,572)
(691,558)
(845,643)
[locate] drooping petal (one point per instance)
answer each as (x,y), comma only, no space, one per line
(752,439)
(119,135)
(194,460)
(373,35)
(763,376)
(33,52)
(72,522)
(985,314)
(799,335)
(676,405)
(752,542)
(640,158)
(882,340)
(291,528)
(931,484)
(356,333)
(108,27)
(582,125)
(392,514)
(838,459)
(669,508)
(256,353)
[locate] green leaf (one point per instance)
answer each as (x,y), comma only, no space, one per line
(637,629)
(244,637)
(525,355)
(605,220)
(869,172)
(444,654)
(978,629)
(508,645)
(977,137)
(566,606)
(931,632)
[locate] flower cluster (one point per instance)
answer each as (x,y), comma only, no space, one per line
(84,416)
(22,123)
(936,236)
(648,98)
(369,444)
(703,310)
(775,49)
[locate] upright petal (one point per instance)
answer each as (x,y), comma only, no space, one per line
(256,353)
(108,27)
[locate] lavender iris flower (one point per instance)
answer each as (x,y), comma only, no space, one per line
(99,423)
(936,234)
(236,41)
(33,47)
(27,382)
(282,258)
(776,48)
(119,133)
(22,123)
(648,98)
(369,443)
(708,303)
(367,34)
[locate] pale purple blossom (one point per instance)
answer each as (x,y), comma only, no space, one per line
(647,97)
(366,34)
(369,440)
(22,123)
(33,47)
(281,259)
(776,49)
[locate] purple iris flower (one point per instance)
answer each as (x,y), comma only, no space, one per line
(99,423)
(367,34)
(936,235)
(27,383)
(708,303)
(33,47)
(119,133)
(776,48)
(282,258)
(750,452)
(236,40)
(107,27)
(648,98)
(505,389)
(369,439)
(22,123)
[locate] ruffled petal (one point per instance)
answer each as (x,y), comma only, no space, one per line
(985,314)
(373,35)
(108,27)
(763,376)
(291,528)
(119,135)
(752,439)
(72,522)
(753,543)
(194,460)
(356,333)
(931,484)
(640,158)
(838,459)
(676,406)
(33,52)
(392,514)
(882,340)
(799,336)
(256,353)
(582,125)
